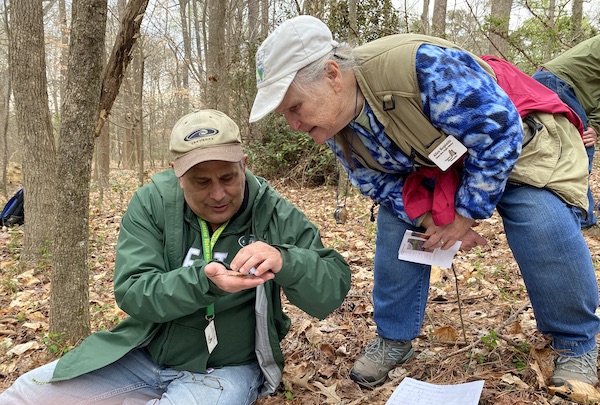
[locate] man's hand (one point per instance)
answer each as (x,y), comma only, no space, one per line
(253,265)
(259,256)
(232,281)
(589,137)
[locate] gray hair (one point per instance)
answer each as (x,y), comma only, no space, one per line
(307,77)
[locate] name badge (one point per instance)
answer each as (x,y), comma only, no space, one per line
(211,336)
(448,152)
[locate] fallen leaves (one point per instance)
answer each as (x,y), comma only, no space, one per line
(516,363)
(577,391)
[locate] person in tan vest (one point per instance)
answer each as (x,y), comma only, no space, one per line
(408,114)
(575,77)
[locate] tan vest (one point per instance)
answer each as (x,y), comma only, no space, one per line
(555,158)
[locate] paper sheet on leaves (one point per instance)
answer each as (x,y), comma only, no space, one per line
(415,392)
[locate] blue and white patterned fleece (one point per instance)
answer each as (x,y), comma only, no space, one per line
(462,100)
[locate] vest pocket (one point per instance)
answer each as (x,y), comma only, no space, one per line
(538,157)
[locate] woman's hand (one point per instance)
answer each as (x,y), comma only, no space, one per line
(447,235)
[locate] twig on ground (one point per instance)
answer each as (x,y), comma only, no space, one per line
(502,326)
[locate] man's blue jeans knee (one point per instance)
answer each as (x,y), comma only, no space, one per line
(136,379)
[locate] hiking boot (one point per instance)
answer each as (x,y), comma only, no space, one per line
(592,231)
(581,368)
(379,357)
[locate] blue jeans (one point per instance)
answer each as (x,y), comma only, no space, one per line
(567,95)
(544,236)
(136,379)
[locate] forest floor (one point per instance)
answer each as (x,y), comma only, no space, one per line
(478,323)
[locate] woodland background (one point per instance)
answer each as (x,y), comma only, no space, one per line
(89,91)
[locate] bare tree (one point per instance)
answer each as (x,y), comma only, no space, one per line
(438,22)
(64,41)
(138,120)
(253,20)
(499,25)
(102,155)
(69,295)
(264,13)
(353,31)
(216,94)
(425,18)
(5,86)
(28,71)
(187,52)
(120,57)
(576,22)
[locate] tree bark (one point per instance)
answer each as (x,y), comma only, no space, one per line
(499,25)
(5,108)
(28,70)
(120,58)
(353,31)
(69,295)
(64,41)
(187,52)
(425,18)
(438,22)
(577,20)
(216,86)
(264,13)
(138,119)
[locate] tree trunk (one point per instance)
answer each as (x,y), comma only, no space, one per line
(69,295)
(264,13)
(5,109)
(64,41)
(499,24)
(28,69)
(103,156)
(577,19)
(128,137)
(217,72)
(352,20)
(438,22)
(425,18)
(200,39)
(138,120)
(253,21)
(187,52)
(120,57)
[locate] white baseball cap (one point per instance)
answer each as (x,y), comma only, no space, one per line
(294,44)
(204,135)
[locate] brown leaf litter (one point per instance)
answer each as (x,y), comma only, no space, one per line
(502,345)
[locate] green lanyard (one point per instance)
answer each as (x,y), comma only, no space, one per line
(208,243)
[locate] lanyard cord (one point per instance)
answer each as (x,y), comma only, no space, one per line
(208,243)
(340,213)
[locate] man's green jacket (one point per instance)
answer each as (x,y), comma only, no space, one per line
(160,283)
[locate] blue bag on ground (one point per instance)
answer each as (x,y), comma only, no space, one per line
(14,211)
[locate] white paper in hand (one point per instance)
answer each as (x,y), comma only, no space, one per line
(411,250)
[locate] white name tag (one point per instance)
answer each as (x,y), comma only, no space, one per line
(211,336)
(448,152)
